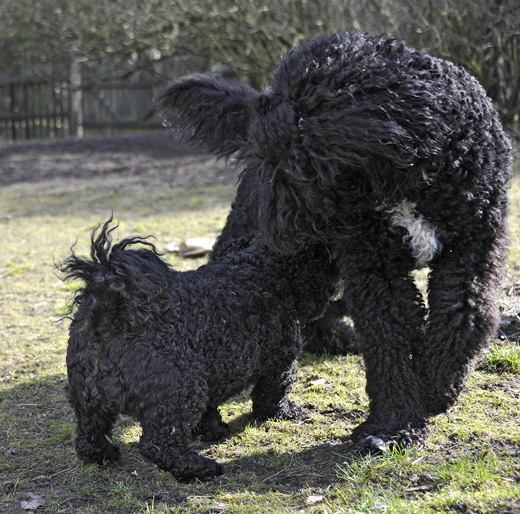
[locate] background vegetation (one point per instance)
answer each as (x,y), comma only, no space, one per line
(119,38)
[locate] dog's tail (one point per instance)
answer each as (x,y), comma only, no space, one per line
(114,273)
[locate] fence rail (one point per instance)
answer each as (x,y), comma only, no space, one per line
(39,110)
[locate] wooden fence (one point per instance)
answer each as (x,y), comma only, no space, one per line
(33,109)
(39,110)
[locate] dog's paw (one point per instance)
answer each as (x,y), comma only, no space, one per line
(214,473)
(381,445)
(212,433)
(112,454)
(378,439)
(210,472)
(211,427)
(372,444)
(289,410)
(94,455)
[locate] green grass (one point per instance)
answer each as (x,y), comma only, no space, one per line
(470,463)
(504,358)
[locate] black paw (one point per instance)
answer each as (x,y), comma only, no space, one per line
(112,453)
(290,410)
(372,444)
(284,410)
(211,472)
(212,433)
(378,439)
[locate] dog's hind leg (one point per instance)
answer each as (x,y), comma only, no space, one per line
(95,414)
(94,426)
(269,394)
(463,315)
(168,448)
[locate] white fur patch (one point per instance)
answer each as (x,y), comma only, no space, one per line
(422,237)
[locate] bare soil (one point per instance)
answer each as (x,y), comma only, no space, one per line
(151,157)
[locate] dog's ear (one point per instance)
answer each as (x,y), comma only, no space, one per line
(211,113)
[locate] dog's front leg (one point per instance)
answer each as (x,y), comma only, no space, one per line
(211,427)
(169,450)
(269,395)
(388,314)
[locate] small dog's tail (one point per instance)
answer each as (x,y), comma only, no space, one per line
(114,273)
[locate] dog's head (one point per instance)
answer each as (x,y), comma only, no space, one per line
(308,279)
(266,132)
(325,132)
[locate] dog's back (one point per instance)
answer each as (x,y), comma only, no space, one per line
(242,304)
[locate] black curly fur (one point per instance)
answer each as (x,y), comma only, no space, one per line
(353,129)
(168,347)
(215,116)
(329,334)
(209,128)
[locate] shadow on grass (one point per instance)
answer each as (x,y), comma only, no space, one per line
(37,432)
(273,465)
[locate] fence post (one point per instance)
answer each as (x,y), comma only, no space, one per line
(12,99)
(75,100)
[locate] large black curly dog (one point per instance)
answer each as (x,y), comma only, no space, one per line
(168,347)
(396,161)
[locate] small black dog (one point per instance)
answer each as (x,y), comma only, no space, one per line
(168,347)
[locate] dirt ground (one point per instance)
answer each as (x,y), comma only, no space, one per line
(151,157)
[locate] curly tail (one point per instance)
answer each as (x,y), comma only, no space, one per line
(115,272)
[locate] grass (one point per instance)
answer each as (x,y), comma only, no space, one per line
(504,358)
(470,463)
